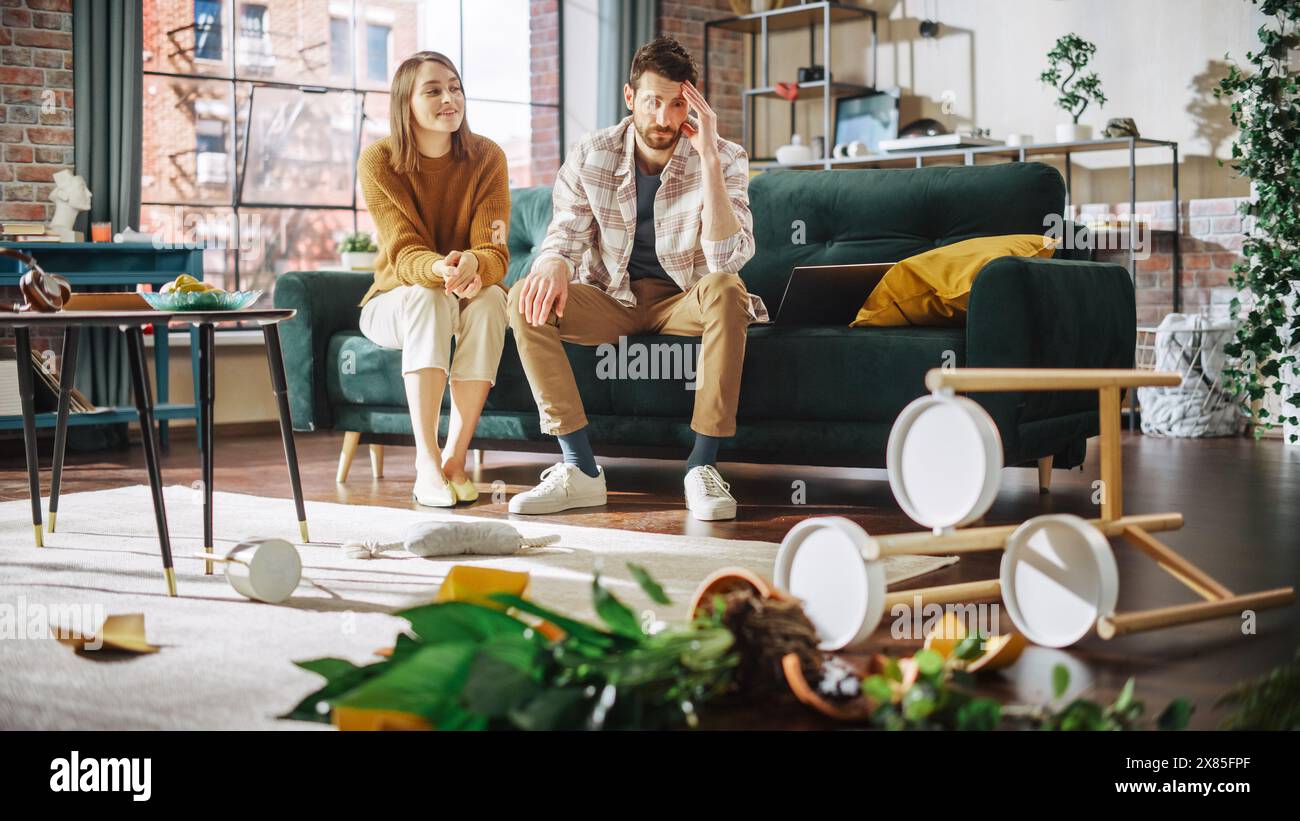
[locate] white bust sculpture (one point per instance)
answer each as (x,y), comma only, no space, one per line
(70,197)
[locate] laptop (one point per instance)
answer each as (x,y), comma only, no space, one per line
(828,294)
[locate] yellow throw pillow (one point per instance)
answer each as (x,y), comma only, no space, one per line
(933,288)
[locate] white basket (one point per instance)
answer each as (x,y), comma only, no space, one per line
(1192,345)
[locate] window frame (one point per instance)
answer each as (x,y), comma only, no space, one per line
(240,147)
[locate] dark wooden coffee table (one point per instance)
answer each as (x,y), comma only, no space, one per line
(132,323)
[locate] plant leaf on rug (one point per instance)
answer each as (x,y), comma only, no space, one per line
(468,666)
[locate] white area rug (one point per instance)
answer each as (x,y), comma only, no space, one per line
(226,662)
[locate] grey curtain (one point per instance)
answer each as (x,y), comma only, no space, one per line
(107,65)
(622,26)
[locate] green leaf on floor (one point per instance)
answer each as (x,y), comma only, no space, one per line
(648,584)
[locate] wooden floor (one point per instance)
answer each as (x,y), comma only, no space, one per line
(1241,500)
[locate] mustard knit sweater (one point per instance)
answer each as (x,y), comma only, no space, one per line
(444,206)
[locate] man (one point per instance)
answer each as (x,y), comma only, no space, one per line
(651,225)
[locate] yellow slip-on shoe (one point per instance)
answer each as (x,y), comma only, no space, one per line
(465,491)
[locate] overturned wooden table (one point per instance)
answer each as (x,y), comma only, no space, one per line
(1217,600)
(132,323)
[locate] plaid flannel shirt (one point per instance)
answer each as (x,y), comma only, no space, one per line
(594,215)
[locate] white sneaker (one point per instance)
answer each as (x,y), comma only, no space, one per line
(563,486)
(431,490)
(707,496)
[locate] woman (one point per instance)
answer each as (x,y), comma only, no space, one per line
(440,198)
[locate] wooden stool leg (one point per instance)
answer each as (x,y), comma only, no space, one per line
(1205,585)
(377,461)
(947,594)
(350,441)
(1045,474)
(1112,477)
(1118,624)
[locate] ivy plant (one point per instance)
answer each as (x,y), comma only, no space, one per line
(1066,60)
(1263,106)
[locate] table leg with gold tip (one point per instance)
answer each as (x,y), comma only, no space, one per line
(27,397)
(275,359)
(149,439)
(67,369)
(206,395)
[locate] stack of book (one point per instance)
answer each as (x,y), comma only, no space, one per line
(10,405)
(47,386)
(26,232)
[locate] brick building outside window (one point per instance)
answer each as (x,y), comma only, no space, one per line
(252,113)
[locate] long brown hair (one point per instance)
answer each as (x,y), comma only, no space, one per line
(406,156)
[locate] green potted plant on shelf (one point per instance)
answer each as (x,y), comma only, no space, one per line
(1066,62)
(1264,102)
(358,251)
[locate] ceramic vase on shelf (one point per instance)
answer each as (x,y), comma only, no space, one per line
(794,153)
(1073,132)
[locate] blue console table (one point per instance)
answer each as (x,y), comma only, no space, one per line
(90,265)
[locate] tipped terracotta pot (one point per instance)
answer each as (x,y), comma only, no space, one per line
(728,580)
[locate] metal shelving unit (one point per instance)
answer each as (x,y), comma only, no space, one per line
(807,15)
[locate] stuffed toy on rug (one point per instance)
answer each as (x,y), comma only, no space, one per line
(435,539)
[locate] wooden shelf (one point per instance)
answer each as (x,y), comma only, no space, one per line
(791,17)
(104,416)
(811,91)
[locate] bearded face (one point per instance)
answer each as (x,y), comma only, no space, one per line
(658,110)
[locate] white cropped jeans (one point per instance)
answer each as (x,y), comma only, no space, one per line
(422,321)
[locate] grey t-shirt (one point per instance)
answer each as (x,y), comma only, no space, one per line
(644,262)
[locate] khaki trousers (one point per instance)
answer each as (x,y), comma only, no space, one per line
(716,308)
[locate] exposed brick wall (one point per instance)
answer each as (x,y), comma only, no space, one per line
(35,104)
(35,119)
(544,42)
(685,22)
(1211,239)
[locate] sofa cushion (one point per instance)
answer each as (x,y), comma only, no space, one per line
(530,216)
(933,288)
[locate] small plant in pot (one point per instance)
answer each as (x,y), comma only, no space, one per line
(1066,62)
(358,252)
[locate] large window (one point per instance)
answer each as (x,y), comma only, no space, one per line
(254,113)
(377,52)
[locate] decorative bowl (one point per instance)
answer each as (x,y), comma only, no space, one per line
(202,300)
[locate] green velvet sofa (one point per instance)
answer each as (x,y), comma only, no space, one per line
(809,395)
